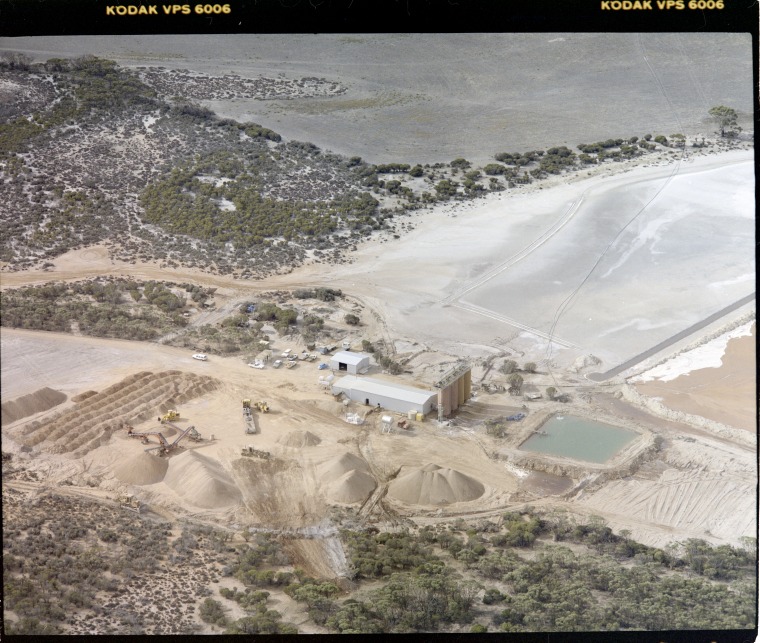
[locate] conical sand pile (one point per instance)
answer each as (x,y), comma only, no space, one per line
(340,465)
(142,469)
(299,439)
(348,478)
(201,481)
(353,486)
(434,485)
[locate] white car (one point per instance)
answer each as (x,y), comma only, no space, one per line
(200,356)
(277,363)
(257,364)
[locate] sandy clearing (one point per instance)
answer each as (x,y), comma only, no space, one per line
(289,491)
(293,494)
(719,508)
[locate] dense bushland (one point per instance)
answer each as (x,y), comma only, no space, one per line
(107,307)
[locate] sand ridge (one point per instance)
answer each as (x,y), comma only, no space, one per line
(140,397)
(37,402)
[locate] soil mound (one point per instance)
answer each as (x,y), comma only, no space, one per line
(585,361)
(142,469)
(340,465)
(21,407)
(352,487)
(434,485)
(299,439)
(201,481)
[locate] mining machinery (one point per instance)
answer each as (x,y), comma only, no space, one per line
(169,416)
(164,446)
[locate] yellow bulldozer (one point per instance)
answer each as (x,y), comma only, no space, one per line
(169,416)
(260,406)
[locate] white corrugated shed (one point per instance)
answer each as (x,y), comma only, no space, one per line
(350,362)
(389,395)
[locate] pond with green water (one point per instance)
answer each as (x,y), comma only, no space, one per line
(578,438)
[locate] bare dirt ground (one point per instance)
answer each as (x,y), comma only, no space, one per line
(81,441)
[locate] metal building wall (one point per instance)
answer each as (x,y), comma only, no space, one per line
(390,403)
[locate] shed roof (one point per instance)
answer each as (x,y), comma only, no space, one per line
(387,389)
(347,357)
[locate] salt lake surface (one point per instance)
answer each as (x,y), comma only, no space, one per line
(637,262)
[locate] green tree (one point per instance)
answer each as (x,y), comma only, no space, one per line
(446,188)
(509,366)
(515,383)
(530,367)
(211,611)
(492,596)
(551,392)
(726,118)
(492,169)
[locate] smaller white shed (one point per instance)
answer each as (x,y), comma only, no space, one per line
(349,362)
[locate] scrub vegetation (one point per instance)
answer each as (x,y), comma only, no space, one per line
(73,565)
(126,308)
(108,307)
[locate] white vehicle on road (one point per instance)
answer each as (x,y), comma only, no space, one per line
(200,356)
